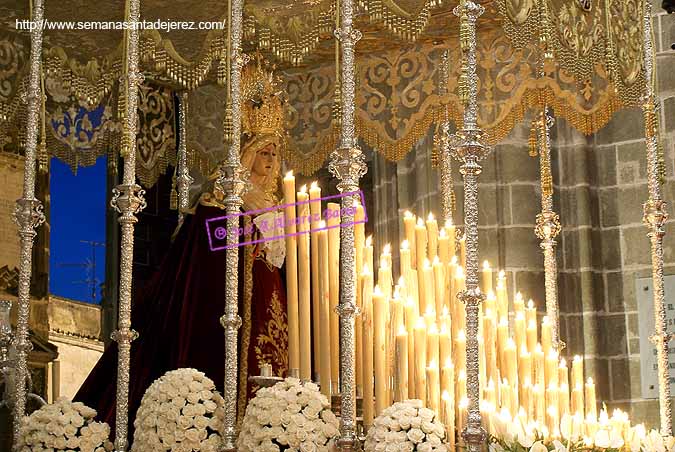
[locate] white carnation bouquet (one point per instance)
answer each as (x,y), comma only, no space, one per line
(407,427)
(290,416)
(64,425)
(180,411)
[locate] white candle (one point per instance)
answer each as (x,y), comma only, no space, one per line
(291,274)
(304,292)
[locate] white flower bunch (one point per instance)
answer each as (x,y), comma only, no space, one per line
(180,411)
(578,434)
(406,427)
(290,416)
(64,425)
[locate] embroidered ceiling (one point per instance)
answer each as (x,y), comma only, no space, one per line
(596,47)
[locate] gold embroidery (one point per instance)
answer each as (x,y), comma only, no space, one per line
(271,345)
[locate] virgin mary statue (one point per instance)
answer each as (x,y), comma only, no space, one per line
(178,313)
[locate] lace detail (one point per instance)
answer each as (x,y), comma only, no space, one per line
(270,224)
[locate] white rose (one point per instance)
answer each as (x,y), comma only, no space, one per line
(416,422)
(415,435)
(424,447)
(428,427)
(404,422)
(426,414)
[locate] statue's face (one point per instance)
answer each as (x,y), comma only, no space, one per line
(265,158)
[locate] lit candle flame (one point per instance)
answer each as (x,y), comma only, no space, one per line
(442,234)
(369,240)
(303,189)
(407,214)
(448,224)
(377,291)
(420,222)
(405,245)
(289,175)
(386,249)
(314,186)
(322,224)
(486,265)
(430,217)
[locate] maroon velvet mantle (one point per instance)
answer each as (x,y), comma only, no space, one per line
(178,318)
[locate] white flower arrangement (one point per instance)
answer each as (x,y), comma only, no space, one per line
(578,435)
(407,427)
(290,416)
(64,426)
(180,411)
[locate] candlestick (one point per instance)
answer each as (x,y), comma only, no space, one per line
(325,373)
(367,345)
(432,232)
(291,274)
(379,354)
(402,364)
(315,218)
(333,223)
(409,229)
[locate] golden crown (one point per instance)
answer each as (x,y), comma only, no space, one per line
(263,105)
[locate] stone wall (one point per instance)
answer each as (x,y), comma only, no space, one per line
(11,181)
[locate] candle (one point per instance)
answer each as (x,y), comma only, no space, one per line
(429,301)
(410,321)
(563,381)
(409,228)
(502,336)
(445,344)
(578,400)
(463,414)
(487,278)
(402,364)
(524,367)
(577,371)
(461,386)
(379,355)
(432,345)
(448,417)
(433,395)
(502,298)
(359,245)
(432,231)
(291,274)
(539,403)
(460,352)
(384,277)
(444,247)
(333,223)
(420,243)
(325,373)
(459,285)
(315,218)
(439,286)
(448,378)
(519,330)
(304,290)
(505,395)
(420,359)
(591,406)
(368,346)
(405,266)
(489,334)
(531,312)
(531,335)
(511,372)
(539,363)
(519,304)
(546,338)
(551,369)
(462,251)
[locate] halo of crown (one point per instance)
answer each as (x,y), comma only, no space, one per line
(263,103)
